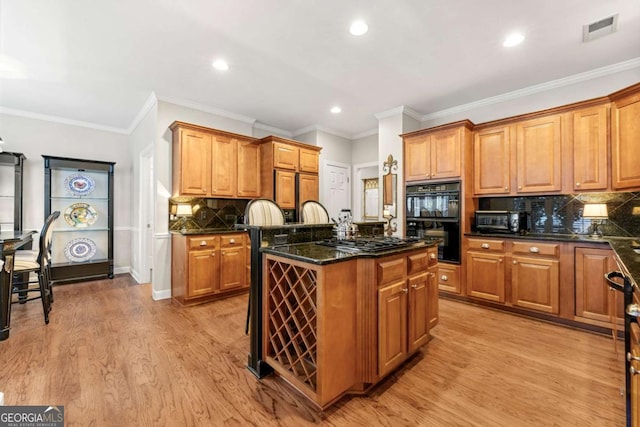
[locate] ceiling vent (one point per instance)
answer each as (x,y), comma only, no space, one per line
(600,28)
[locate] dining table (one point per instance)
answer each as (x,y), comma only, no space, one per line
(10,241)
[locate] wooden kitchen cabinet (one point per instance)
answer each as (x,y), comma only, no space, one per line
(433,298)
(285,156)
(538,155)
(449,278)
(213,163)
(392,326)
(206,267)
(285,189)
(486,269)
(590,148)
(535,276)
(492,161)
(625,134)
(634,386)
(596,302)
(308,188)
(435,153)
(309,161)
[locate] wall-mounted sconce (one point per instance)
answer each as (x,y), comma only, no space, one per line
(183,211)
(596,212)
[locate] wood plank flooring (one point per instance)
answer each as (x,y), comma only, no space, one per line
(114,357)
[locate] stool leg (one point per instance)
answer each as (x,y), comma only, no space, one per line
(44,296)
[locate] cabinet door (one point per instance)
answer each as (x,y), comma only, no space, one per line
(445,154)
(535,284)
(449,278)
(485,276)
(248,169)
(433,297)
(625,134)
(594,299)
(309,160)
(419,310)
(590,130)
(223,165)
(232,268)
(392,326)
(285,189)
(417,157)
(308,187)
(203,273)
(492,161)
(285,156)
(195,163)
(538,154)
(635,381)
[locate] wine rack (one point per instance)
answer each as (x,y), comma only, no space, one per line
(292,319)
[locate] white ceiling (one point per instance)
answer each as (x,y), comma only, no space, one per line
(292,60)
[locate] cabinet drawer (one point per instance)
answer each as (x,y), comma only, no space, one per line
(536,248)
(231,240)
(449,278)
(486,245)
(391,270)
(417,263)
(203,242)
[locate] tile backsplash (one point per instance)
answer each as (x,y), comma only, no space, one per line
(207,213)
(563,213)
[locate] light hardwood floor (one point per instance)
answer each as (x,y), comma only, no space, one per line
(114,357)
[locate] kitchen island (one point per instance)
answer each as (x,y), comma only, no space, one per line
(337,320)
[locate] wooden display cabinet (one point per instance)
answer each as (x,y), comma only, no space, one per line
(11,175)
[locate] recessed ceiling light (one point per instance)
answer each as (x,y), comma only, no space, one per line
(513,40)
(220,64)
(336,110)
(358,28)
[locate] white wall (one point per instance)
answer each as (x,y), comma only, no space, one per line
(364,150)
(35,137)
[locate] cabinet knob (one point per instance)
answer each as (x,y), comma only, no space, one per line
(432,256)
(534,250)
(515,262)
(203,243)
(232,241)
(485,246)
(414,286)
(500,260)
(630,357)
(405,290)
(577,184)
(506,188)
(519,187)
(213,254)
(444,278)
(633,371)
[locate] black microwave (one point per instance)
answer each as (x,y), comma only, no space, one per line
(501,221)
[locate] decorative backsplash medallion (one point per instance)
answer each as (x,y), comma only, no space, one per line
(563,213)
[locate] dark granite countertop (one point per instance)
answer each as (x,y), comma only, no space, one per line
(628,256)
(205,231)
(315,253)
(555,237)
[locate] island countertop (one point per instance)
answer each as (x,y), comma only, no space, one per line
(315,253)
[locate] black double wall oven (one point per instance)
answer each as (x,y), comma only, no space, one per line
(433,210)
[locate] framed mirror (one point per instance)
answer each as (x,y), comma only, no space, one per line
(390,193)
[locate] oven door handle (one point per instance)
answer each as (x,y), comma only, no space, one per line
(615,275)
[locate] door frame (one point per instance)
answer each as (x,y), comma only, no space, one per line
(146,215)
(358,187)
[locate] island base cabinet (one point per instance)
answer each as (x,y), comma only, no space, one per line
(392,326)
(310,325)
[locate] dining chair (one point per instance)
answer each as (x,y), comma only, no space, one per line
(37,262)
(313,212)
(260,212)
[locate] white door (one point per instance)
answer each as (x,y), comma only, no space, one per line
(337,194)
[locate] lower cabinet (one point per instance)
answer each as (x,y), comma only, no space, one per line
(407,306)
(596,302)
(485,269)
(634,372)
(208,266)
(449,278)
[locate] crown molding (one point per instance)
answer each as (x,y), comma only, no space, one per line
(278,131)
(403,109)
(319,128)
(151,102)
(365,134)
(542,87)
(206,109)
(61,120)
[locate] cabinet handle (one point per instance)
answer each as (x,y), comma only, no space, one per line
(444,278)
(203,243)
(519,187)
(534,249)
(633,371)
(405,290)
(577,184)
(232,241)
(432,256)
(506,188)
(500,260)
(213,254)
(414,286)
(630,357)
(515,262)
(485,246)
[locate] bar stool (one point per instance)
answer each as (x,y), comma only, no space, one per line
(314,213)
(39,263)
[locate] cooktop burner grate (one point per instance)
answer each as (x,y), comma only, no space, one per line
(370,244)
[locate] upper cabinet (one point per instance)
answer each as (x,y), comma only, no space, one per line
(213,163)
(625,134)
(436,153)
(492,160)
(590,148)
(538,155)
